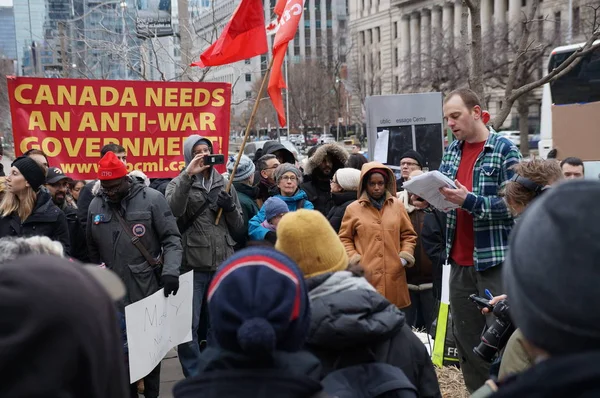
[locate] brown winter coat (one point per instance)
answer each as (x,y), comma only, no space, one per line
(381,238)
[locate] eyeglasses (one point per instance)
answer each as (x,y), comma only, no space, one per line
(272,167)
(289,178)
(408,164)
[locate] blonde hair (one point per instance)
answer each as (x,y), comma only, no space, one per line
(541,172)
(11,203)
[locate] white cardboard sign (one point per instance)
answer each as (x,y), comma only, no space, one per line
(156,324)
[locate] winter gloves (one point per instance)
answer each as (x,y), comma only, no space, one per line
(225,201)
(170,283)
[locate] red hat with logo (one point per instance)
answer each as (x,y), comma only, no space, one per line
(111,168)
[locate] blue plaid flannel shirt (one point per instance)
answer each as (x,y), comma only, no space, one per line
(492,220)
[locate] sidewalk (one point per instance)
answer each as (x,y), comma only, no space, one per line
(170,374)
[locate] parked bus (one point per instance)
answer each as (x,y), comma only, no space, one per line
(581,85)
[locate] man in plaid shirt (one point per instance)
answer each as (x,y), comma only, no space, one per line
(479,162)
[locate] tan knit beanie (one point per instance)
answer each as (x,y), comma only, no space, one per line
(307,238)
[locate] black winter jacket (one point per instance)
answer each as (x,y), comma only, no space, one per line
(433,239)
(225,374)
(319,194)
(78,244)
(341,200)
(573,376)
(45,220)
(351,324)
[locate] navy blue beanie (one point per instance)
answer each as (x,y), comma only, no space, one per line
(258,303)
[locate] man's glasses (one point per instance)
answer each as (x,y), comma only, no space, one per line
(272,167)
(408,164)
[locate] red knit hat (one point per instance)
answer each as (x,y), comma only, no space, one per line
(111,168)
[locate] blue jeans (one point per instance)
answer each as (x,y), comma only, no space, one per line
(189,353)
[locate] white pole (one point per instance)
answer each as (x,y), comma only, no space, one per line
(287,96)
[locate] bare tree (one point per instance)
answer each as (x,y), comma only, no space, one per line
(6,68)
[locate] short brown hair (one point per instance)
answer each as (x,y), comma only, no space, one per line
(542,172)
(468,96)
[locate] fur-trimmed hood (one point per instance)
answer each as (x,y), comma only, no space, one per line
(135,175)
(338,154)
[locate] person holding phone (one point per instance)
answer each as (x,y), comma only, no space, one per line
(195,198)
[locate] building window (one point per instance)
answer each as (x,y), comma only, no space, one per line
(523,3)
(397,84)
(362,4)
(379,60)
(342,41)
(396,56)
(342,24)
(396,30)
(247,61)
(370,36)
(342,58)
(248,94)
(248,77)
(364,62)
(576,21)
(362,38)
(377,35)
(557,24)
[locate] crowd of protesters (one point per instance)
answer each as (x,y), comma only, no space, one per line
(311,281)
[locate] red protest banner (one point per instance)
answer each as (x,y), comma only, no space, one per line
(72,119)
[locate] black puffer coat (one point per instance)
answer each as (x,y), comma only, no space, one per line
(341,200)
(45,220)
(353,324)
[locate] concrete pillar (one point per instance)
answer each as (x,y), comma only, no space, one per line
(486,19)
(500,26)
(405,45)
(448,25)
(514,16)
(457,21)
(436,29)
(415,43)
(426,42)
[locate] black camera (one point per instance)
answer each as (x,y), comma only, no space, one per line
(495,337)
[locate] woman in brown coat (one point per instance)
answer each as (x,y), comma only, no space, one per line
(377,228)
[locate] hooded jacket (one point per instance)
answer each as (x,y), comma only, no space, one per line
(230,375)
(270,147)
(206,245)
(146,212)
(382,238)
(316,185)
(257,231)
(352,324)
(46,219)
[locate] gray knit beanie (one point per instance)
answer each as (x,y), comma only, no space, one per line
(244,170)
(285,168)
(551,272)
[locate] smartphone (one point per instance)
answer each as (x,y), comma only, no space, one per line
(481,302)
(211,160)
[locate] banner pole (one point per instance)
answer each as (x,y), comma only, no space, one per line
(248,127)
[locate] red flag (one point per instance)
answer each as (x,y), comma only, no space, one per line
(243,37)
(288,25)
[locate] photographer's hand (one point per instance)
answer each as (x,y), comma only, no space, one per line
(196,166)
(493,302)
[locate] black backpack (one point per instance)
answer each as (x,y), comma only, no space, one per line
(369,380)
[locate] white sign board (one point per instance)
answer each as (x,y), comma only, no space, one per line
(412,121)
(156,324)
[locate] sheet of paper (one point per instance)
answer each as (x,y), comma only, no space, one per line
(381,146)
(428,185)
(156,324)
(446,283)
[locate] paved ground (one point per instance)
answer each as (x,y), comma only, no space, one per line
(170,374)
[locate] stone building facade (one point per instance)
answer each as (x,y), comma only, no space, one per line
(402,46)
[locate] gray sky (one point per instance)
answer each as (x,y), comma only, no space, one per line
(6,2)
